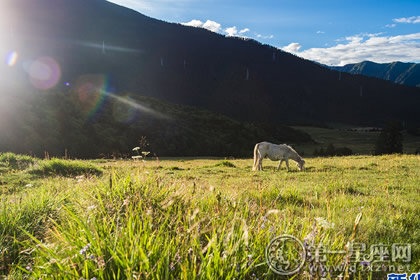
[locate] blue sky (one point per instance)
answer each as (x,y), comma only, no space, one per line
(331,32)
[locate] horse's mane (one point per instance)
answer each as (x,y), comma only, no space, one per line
(293,150)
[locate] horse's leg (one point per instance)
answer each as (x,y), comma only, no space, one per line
(260,164)
(287,164)
(278,168)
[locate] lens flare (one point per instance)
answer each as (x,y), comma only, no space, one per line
(123,112)
(90,92)
(12,58)
(44,73)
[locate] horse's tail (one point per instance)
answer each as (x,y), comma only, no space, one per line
(256,156)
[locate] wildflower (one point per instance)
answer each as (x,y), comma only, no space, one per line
(136,148)
(324,223)
(93,278)
(365,263)
(91,257)
(28,185)
(264,218)
(172,266)
(101,262)
(250,260)
(224,254)
(29,267)
(238,268)
(84,250)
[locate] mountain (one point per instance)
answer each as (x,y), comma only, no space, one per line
(97,52)
(397,72)
(57,121)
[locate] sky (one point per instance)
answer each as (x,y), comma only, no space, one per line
(330,32)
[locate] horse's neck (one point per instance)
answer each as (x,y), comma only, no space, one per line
(295,156)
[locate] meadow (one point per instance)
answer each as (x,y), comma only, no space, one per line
(196,218)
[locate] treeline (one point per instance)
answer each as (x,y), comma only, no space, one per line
(331,150)
(63,122)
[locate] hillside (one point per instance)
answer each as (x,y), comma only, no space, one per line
(240,78)
(60,123)
(397,72)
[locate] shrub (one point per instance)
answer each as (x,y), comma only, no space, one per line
(225,163)
(343,151)
(66,168)
(331,150)
(15,161)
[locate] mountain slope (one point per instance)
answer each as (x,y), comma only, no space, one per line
(58,121)
(398,72)
(240,78)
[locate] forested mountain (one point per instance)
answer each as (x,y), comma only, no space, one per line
(96,51)
(54,122)
(397,72)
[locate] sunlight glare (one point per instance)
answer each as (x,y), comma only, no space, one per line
(44,73)
(12,58)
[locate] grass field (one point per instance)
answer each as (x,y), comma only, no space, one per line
(206,218)
(361,143)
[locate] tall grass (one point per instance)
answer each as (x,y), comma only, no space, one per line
(66,168)
(14,161)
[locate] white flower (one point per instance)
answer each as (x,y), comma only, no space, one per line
(324,223)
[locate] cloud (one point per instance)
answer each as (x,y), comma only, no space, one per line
(320,32)
(414,19)
(212,26)
(292,47)
(217,27)
(362,47)
(231,31)
(265,36)
(390,25)
(209,25)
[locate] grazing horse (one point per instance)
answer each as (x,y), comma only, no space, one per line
(275,152)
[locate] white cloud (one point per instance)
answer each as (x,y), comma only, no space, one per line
(212,26)
(209,25)
(390,25)
(414,19)
(362,47)
(217,27)
(194,23)
(320,32)
(292,47)
(231,31)
(265,36)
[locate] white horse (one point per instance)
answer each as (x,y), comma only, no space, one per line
(275,152)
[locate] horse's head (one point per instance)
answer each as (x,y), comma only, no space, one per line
(301,165)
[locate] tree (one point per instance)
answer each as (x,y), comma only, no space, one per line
(390,139)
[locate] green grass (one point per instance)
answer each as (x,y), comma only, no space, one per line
(66,168)
(203,219)
(10,161)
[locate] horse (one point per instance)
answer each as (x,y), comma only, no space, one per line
(275,152)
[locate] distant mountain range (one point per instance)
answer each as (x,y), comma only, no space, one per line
(85,47)
(397,72)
